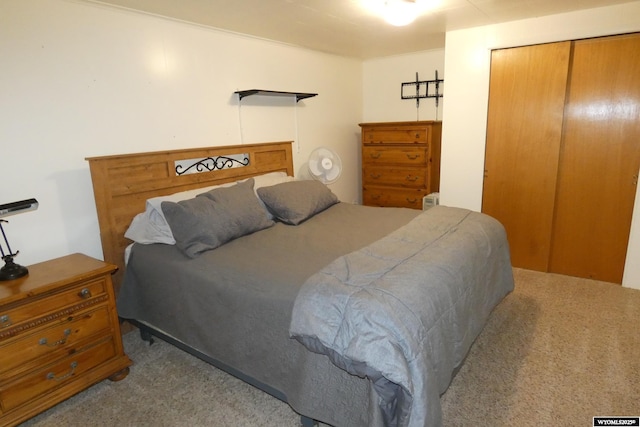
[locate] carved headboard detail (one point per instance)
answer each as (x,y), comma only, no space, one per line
(123,183)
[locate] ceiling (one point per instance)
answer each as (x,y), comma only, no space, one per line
(345,27)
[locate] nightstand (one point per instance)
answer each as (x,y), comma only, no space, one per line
(59,334)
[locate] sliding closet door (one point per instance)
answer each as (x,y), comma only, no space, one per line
(599,164)
(524,129)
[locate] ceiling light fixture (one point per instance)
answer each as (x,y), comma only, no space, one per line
(399,12)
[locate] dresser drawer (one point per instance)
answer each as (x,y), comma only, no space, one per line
(400,155)
(394,135)
(55,375)
(381,196)
(396,176)
(30,350)
(49,307)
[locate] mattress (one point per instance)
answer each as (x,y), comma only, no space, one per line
(234,304)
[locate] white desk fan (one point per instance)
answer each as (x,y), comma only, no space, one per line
(325,165)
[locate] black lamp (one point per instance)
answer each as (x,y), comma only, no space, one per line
(11,270)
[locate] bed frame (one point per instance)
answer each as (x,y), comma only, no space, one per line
(123,183)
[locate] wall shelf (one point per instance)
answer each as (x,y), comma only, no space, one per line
(298,95)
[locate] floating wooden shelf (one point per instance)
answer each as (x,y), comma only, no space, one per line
(298,95)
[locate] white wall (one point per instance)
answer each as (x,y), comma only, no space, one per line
(80,80)
(382,81)
(467,60)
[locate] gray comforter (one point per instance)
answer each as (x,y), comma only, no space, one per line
(234,305)
(405,310)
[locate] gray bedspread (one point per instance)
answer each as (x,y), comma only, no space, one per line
(405,310)
(234,304)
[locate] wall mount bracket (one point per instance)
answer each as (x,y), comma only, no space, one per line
(422,89)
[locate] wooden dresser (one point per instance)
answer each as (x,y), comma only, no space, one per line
(400,162)
(59,334)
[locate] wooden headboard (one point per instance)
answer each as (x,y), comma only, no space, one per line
(123,183)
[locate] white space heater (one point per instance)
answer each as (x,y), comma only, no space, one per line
(430,200)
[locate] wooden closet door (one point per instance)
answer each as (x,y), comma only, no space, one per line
(524,128)
(600,159)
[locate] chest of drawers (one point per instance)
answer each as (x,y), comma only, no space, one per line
(59,334)
(400,162)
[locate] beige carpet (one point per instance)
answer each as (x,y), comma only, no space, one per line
(556,352)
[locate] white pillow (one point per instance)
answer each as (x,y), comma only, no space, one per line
(151,226)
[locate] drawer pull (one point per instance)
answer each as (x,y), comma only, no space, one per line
(73,366)
(375,155)
(412,178)
(412,156)
(375,175)
(411,200)
(85,293)
(5,320)
(43,341)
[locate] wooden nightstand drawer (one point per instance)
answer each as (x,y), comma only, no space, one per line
(55,375)
(403,177)
(379,155)
(47,308)
(26,351)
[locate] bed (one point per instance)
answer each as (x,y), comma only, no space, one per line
(353,315)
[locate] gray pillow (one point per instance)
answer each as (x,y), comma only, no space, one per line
(216,217)
(296,201)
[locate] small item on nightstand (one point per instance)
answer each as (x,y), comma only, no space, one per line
(11,270)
